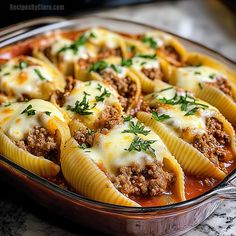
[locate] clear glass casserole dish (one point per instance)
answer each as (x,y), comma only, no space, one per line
(173,219)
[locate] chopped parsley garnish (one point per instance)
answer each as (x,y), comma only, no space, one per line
(39,74)
(127,63)
(48,113)
(160,117)
(184,102)
(198,65)
(136,128)
(74,46)
(147,56)
(138,144)
(127,118)
(98,66)
(5,74)
(92,35)
(115,68)
(200,85)
(132,48)
(23,64)
(192,111)
(165,89)
(212,76)
(83,146)
(143,63)
(7,104)
(82,107)
(197,73)
(29,111)
(104,94)
(99,87)
(149,40)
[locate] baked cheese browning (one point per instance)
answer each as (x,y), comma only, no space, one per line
(215,143)
(193,121)
(148,181)
(194,77)
(27,77)
(40,142)
(125,87)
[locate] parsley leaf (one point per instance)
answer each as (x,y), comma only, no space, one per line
(136,128)
(39,74)
(160,117)
(147,56)
(116,68)
(82,107)
(149,40)
(104,94)
(29,111)
(127,63)
(98,66)
(23,64)
(48,113)
(138,144)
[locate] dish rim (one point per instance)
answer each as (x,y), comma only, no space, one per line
(75,196)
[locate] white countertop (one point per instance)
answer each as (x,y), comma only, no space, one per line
(203,21)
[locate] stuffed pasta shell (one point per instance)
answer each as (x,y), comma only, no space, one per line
(93,103)
(138,166)
(25,77)
(32,134)
(197,134)
(84,49)
(209,81)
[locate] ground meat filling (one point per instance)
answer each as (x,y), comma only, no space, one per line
(150,181)
(171,55)
(84,136)
(61,96)
(109,118)
(106,52)
(153,73)
(86,63)
(40,142)
(125,87)
(223,85)
(213,144)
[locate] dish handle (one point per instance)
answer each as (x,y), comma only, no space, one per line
(227,189)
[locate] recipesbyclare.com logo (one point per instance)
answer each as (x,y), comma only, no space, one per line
(36,7)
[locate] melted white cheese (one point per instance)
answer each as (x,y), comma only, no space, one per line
(19,123)
(93,89)
(159,37)
(103,37)
(178,121)
(120,72)
(139,62)
(111,149)
(26,81)
(69,55)
(190,77)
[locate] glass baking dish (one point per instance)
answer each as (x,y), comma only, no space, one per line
(173,219)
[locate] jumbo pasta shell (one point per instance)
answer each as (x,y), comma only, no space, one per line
(37,165)
(218,99)
(191,160)
(87,179)
(133,106)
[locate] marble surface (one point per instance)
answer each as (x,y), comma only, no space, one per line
(203,21)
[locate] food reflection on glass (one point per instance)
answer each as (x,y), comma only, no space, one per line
(131,120)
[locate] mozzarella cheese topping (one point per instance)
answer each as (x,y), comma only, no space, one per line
(69,55)
(91,90)
(112,149)
(103,37)
(159,37)
(17,81)
(16,122)
(178,120)
(190,78)
(139,62)
(120,71)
